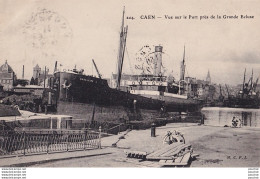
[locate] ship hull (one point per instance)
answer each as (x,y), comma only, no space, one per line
(242,103)
(74,87)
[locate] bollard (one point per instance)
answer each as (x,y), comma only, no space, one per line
(134,103)
(202,120)
(153,127)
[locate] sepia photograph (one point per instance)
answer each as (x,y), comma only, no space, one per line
(129,84)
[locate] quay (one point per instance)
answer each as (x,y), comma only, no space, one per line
(216,146)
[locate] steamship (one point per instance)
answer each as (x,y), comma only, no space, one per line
(145,91)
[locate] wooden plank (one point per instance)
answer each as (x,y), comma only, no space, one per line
(174,152)
(133,160)
(178,160)
(162,161)
(186,158)
(175,149)
(176,164)
(165,148)
(160,158)
(169,162)
(170,153)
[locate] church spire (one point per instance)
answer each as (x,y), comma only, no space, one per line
(208,78)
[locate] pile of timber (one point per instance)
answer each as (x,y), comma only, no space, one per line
(176,154)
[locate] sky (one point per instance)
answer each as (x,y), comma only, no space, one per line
(73,32)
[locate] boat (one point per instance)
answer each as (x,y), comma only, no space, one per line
(145,91)
(157,86)
(247,97)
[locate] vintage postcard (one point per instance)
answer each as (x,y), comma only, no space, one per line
(135,84)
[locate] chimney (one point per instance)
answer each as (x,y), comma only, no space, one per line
(157,60)
(23,73)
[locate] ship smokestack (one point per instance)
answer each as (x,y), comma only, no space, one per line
(157,60)
(23,73)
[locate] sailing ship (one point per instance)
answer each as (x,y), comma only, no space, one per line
(247,97)
(145,91)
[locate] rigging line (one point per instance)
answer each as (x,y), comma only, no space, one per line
(169,56)
(186,69)
(130,65)
(92,69)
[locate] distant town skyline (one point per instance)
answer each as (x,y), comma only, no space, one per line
(73,33)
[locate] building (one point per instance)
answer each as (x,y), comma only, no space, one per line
(7,77)
(205,89)
(191,86)
(29,89)
(39,76)
(36,71)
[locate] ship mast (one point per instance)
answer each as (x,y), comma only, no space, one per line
(182,72)
(251,83)
(244,83)
(121,53)
(183,66)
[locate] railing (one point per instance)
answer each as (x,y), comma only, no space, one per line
(107,128)
(32,142)
(116,129)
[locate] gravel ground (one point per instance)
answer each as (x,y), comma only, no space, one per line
(217,147)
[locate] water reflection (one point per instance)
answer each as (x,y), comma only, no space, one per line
(216,116)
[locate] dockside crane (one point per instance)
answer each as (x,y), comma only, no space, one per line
(99,75)
(221,97)
(251,84)
(255,84)
(227,90)
(55,67)
(243,90)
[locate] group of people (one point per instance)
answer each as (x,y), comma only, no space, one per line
(236,122)
(173,137)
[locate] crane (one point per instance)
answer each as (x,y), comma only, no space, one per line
(255,84)
(55,67)
(220,90)
(99,75)
(221,97)
(227,89)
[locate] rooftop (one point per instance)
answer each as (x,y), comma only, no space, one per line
(6,68)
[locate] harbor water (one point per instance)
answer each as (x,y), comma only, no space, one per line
(216,116)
